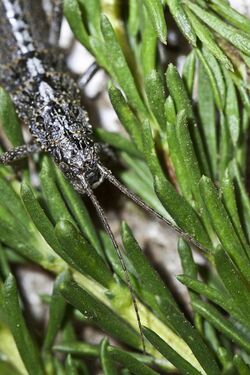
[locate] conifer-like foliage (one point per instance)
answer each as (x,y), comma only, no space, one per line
(186,156)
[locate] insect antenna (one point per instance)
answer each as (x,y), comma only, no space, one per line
(88,75)
(103,218)
(111,178)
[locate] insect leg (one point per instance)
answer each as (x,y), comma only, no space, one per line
(106,225)
(108,174)
(18,153)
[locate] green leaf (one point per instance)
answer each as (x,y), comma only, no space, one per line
(92,8)
(188,72)
(17,238)
(217,72)
(208,40)
(54,200)
(161,303)
(156,96)
(188,155)
(38,216)
(130,362)
(242,147)
(173,318)
(112,255)
(9,120)
(156,14)
(176,158)
(225,146)
(229,200)
(179,94)
(100,52)
(178,91)
(98,313)
(117,141)
(221,324)
(183,214)
(190,270)
(180,363)
(25,344)
(213,295)
(180,210)
(215,76)
(7,369)
(4,265)
(79,211)
(206,108)
(59,368)
(80,254)
(150,152)
(230,14)
(154,290)
(126,116)
(241,366)
(242,196)
(9,352)
(139,179)
(106,361)
(234,283)
(230,33)
(82,367)
(232,109)
(78,348)
(70,366)
(148,50)
(187,261)
(134,17)
(178,12)
(73,15)
(23,238)
(225,358)
(120,67)
(125,372)
(56,314)
(223,226)
(12,201)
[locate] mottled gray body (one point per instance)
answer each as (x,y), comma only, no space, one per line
(46,98)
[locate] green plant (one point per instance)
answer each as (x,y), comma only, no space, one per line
(186,157)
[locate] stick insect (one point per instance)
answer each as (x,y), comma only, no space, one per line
(48,101)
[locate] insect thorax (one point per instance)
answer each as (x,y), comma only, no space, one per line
(61,126)
(50,105)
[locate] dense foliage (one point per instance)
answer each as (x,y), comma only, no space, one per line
(186,157)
